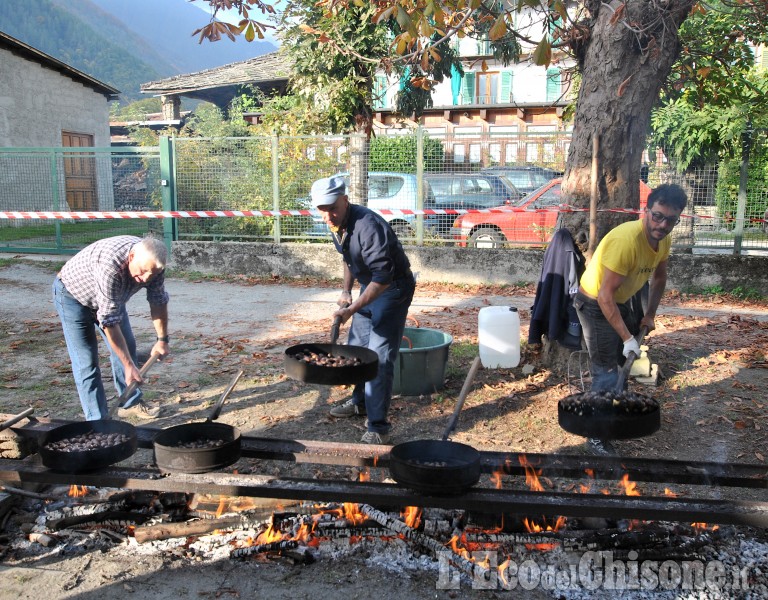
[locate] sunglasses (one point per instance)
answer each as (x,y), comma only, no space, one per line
(658,217)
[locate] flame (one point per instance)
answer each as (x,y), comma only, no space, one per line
(365,475)
(496,479)
(704,527)
(668,492)
(459,550)
(375,460)
(269,535)
(531,475)
(590,473)
(412,516)
(533,527)
(502,568)
(630,487)
(77,491)
(352,513)
(585,489)
(223,506)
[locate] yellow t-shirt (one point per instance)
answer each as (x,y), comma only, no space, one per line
(624,250)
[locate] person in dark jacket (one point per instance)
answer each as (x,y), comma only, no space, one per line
(374,257)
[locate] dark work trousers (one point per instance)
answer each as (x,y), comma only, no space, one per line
(603,343)
(379,327)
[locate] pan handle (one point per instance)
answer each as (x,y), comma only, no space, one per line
(13,420)
(336,326)
(220,402)
(133,385)
(624,373)
(462,396)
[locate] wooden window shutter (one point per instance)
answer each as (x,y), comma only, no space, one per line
(553,84)
(468,89)
(380,92)
(506,86)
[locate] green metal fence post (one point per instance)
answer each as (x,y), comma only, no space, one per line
(276,186)
(168,188)
(420,184)
(56,198)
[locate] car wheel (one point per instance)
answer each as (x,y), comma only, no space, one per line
(485,237)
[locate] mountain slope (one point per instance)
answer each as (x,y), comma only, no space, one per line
(169,24)
(123,43)
(58,33)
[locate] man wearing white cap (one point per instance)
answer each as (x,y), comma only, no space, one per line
(374,257)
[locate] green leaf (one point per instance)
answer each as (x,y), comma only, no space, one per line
(499,28)
(542,56)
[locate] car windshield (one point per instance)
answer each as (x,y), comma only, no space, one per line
(535,192)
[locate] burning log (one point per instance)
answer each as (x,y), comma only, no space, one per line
(164,531)
(110,518)
(470,568)
(260,548)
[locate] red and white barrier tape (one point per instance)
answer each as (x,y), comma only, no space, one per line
(207,214)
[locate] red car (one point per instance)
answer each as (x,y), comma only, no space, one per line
(511,225)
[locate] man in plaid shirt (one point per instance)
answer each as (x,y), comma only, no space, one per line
(90,293)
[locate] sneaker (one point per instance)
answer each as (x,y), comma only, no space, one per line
(371,437)
(140,411)
(348,409)
(601,447)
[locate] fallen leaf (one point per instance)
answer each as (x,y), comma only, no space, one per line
(739,424)
(760,456)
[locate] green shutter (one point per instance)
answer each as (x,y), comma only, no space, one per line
(553,84)
(380,92)
(506,87)
(468,89)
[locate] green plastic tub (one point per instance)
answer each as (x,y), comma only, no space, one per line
(420,367)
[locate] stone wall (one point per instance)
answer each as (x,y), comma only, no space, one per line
(449,265)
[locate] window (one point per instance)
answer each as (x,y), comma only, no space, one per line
(458,153)
(549,198)
(487,88)
(474,153)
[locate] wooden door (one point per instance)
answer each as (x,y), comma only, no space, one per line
(79,173)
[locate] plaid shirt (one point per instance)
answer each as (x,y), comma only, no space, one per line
(98,277)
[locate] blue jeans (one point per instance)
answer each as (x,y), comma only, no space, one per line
(80,326)
(603,343)
(379,327)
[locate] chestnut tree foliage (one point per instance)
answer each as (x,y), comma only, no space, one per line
(625,52)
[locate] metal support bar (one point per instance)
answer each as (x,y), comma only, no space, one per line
(486,501)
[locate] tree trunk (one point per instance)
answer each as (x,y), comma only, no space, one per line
(629,53)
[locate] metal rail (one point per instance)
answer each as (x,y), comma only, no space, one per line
(742,475)
(486,501)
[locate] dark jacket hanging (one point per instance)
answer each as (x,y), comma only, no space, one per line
(552,310)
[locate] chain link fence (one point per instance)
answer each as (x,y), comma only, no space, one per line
(432,187)
(83,180)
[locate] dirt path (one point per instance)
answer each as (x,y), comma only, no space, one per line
(712,355)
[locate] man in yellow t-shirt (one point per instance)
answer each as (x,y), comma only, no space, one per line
(625,259)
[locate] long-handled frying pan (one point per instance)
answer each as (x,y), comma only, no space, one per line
(364,363)
(113,441)
(438,466)
(611,415)
(199,447)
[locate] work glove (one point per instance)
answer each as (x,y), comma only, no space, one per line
(631,345)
